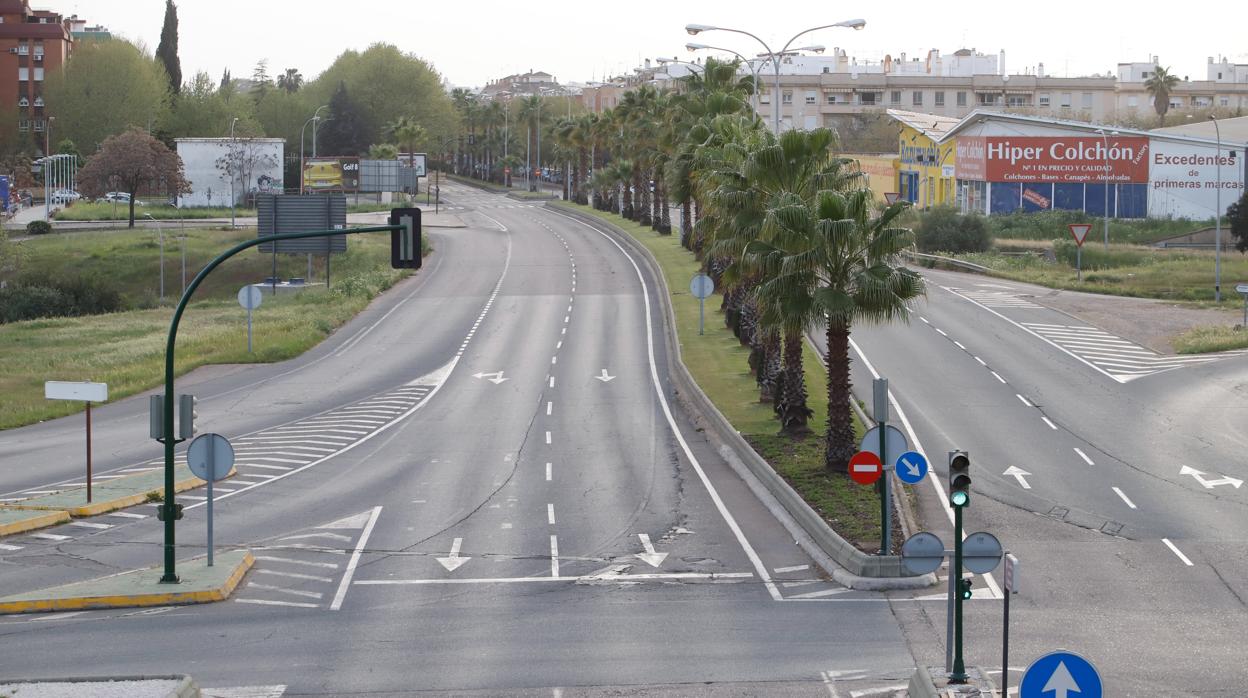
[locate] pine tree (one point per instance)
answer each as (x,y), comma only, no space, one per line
(344,133)
(167,51)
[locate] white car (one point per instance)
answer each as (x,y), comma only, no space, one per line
(65,196)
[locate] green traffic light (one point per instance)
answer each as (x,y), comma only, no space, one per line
(959,499)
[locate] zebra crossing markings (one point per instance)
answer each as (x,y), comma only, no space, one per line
(996,299)
(290,574)
(1120,358)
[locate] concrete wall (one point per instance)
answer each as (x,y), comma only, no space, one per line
(260,169)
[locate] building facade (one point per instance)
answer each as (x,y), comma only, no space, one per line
(33,44)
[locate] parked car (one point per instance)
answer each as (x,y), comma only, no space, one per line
(65,196)
(118,197)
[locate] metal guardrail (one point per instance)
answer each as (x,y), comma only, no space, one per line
(969,266)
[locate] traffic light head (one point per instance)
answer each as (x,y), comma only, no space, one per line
(188,412)
(964,589)
(959,478)
(405,242)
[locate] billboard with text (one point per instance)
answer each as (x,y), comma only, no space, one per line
(1057,159)
(331,174)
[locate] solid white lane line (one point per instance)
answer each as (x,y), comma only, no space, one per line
(621,578)
(355,560)
(1084,456)
(819,594)
(998,377)
(548,473)
(89,524)
(292,592)
(1125,498)
(554,557)
(127,515)
(1050,423)
(794,568)
(960,346)
(292,561)
(750,553)
(942,332)
(50,536)
(264,602)
(295,575)
(547,438)
(925,320)
(550,514)
(322,534)
(1025,403)
(550,406)
(1176,551)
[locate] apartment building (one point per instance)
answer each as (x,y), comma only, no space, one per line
(33,44)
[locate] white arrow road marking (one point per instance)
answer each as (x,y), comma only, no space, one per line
(1210,484)
(497,377)
(650,557)
(605,378)
(454,561)
(1018,474)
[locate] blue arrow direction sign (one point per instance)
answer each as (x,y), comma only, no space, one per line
(1061,675)
(911,467)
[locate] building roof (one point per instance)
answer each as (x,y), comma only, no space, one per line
(1233,130)
(33,30)
(930,125)
(980,115)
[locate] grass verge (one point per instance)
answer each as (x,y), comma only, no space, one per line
(719,364)
(1200,340)
(126,350)
(121,212)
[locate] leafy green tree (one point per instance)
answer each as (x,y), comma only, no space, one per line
(128,161)
(1238,215)
(290,80)
(106,87)
(345,132)
(943,229)
(167,50)
(383,151)
(1159,85)
(261,82)
(201,111)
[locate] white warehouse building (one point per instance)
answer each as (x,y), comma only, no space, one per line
(256,165)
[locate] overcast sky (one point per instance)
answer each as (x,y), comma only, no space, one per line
(473,41)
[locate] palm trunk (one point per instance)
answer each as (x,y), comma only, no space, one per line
(769,371)
(665,209)
(643,209)
(791,402)
(686,224)
(840,436)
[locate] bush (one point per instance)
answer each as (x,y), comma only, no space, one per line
(38,228)
(19,303)
(943,229)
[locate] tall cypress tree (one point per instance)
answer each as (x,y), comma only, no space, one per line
(167,51)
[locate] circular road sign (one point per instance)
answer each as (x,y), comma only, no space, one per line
(911,467)
(894,441)
(981,552)
(210,456)
(923,552)
(702,286)
(1061,673)
(250,297)
(865,467)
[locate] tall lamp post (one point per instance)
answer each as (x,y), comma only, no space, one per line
(161,234)
(748,64)
(1105,139)
(1217,218)
(233,164)
(315,117)
(47,169)
(695,29)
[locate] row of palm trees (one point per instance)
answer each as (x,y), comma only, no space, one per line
(785,225)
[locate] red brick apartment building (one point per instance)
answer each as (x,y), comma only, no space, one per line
(33,43)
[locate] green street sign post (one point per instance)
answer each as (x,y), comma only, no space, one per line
(170,511)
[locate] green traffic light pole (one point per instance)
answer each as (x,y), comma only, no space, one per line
(169,511)
(959,666)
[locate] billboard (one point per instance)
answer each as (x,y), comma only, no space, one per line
(417,161)
(296,214)
(331,174)
(1056,159)
(1184,179)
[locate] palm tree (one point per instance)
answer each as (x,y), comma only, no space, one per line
(836,259)
(1159,85)
(291,80)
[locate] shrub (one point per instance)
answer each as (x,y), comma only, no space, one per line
(73,296)
(19,303)
(943,229)
(38,228)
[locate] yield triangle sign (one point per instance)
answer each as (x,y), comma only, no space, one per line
(1079,231)
(891,197)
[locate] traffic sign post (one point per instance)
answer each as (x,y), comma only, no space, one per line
(702,286)
(1079,231)
(210,457)
(1060,674)
(1010,586)
(88,393)
(1242,289)
(884,440)
(250,298)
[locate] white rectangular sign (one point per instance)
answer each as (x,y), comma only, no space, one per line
(1183,179)
(70,390)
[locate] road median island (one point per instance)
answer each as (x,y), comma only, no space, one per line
(107,495)
(140,588)
(721,396)
(14,520)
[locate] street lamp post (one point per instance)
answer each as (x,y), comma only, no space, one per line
(161,234)
(1217,217)
(1105,140)
(748,64)
(233,164)
(47,169)
(695,29)
(315,117)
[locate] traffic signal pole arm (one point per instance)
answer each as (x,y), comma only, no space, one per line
(168,509)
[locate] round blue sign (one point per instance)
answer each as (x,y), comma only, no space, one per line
(1061,675)
(911,467)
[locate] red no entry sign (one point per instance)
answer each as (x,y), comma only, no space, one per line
(865,467)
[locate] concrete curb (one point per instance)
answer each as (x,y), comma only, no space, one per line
(32,521)
(846,564)
(114,504)
(187,687)
(468,181)
(114,591)
(923,684)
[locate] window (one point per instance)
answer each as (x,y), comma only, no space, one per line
(1133,100)
(826,70)
(1044,99)
(1219,76)
(811,97)
(837,98)
(786,97)
(895,97)
(1065,103)
(940,99)
(917,98)
(38,125)
(961,99)
(23,126)
(764,97)
(38,74)
(1224,101)
(1018,100)
(1144,75)
(870,97)
(23,73)
(23,49)
(1087,100)
(989,99)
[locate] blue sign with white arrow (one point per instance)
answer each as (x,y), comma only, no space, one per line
(911,467)
(1061,675)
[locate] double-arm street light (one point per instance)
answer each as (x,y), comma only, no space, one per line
(1217,217)
(695,29)
(1105,140)
(748,64)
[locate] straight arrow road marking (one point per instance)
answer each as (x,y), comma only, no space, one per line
(650,557)
(1018,474)
(1210,484)
(605,378)
(454,561)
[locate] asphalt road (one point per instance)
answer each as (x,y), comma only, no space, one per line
(1081,446)
(480,484)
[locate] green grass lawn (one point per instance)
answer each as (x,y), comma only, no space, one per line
(719,363)
(121,212)
(126,349)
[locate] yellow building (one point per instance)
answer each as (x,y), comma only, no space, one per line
(925,168)
(879,171)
